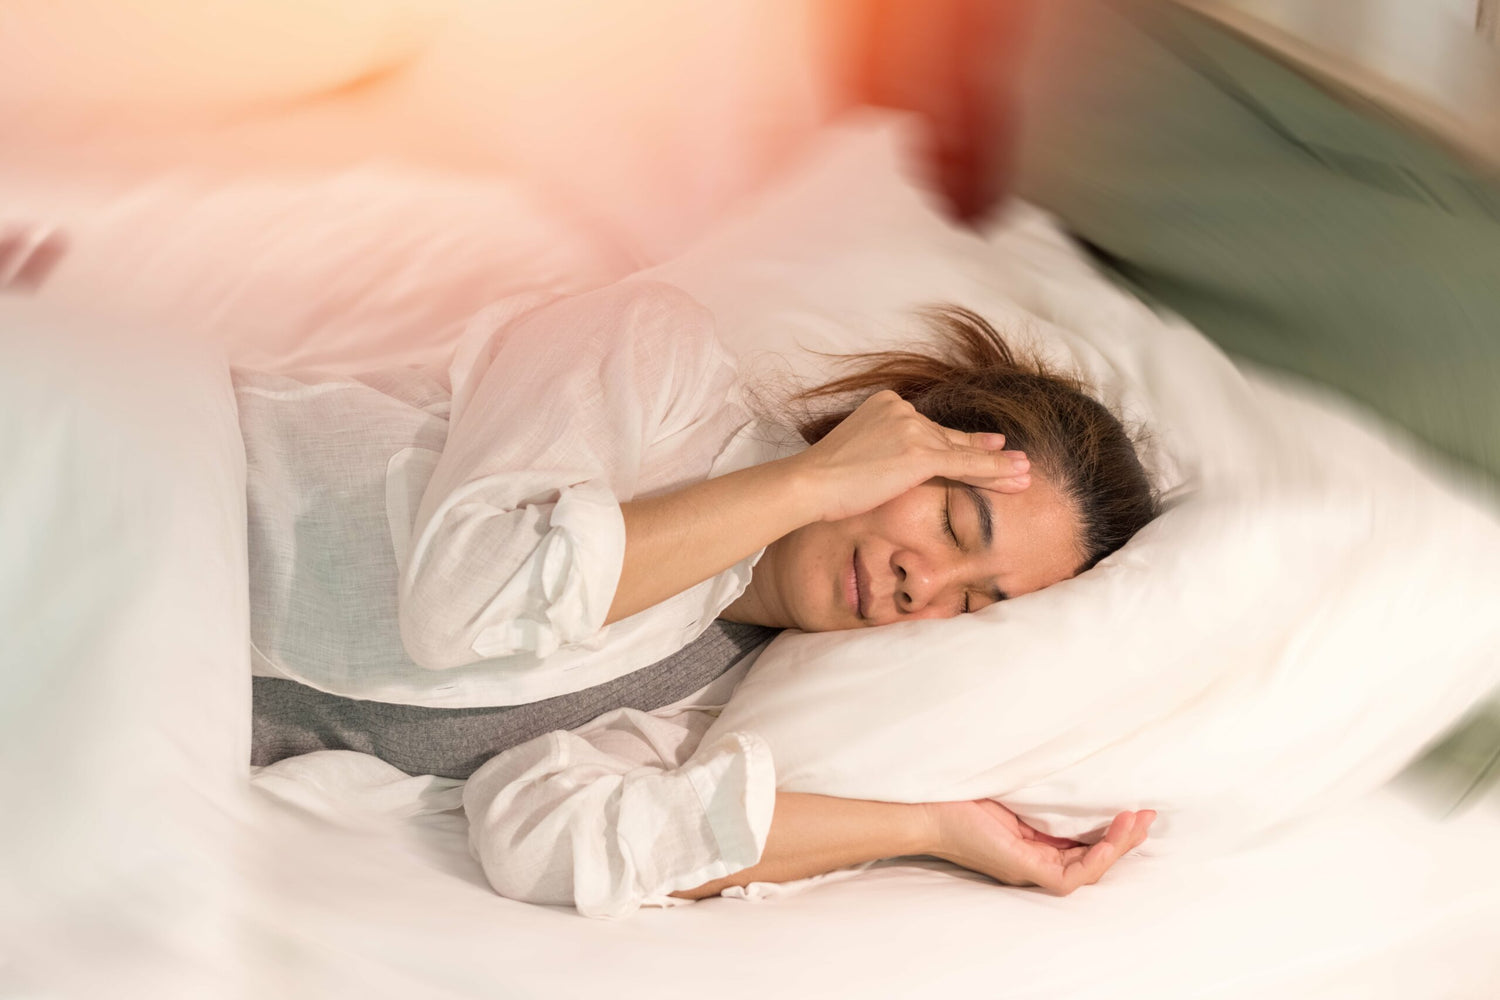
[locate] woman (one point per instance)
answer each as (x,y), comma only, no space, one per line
(596,497)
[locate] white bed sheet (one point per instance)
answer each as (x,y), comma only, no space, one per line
(1377,900)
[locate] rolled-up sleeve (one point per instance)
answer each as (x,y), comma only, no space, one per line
(519,540)
(607,819)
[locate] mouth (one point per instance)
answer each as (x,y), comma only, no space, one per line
(857,587)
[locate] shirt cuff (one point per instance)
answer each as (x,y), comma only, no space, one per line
(734,780)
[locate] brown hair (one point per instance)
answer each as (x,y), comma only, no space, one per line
(978,384)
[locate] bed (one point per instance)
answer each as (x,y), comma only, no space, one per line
(140,862)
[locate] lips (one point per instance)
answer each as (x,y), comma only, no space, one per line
(851,586)
(861,584)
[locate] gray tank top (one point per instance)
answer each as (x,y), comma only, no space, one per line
(291,718)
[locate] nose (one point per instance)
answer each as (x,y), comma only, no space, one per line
(920,580)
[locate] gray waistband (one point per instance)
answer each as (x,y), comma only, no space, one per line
(291,718)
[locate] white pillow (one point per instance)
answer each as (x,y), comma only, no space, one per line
(1310,611)
(367,267)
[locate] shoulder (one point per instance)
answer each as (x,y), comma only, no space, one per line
(665,347)
(656,316)
(662,333)
(634,317)
(635,343)
(655,300)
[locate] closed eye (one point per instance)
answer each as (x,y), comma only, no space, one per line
(948,527)
(986,527)
(948,520)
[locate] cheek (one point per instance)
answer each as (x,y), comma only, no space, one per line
(913,517)
(809,556)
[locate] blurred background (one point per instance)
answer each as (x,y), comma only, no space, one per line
(656,113)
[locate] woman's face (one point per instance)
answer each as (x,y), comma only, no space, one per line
(936,551)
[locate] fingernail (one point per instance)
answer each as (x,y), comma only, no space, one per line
(1020,464)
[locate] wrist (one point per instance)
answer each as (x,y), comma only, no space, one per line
(803,487)
(927,830)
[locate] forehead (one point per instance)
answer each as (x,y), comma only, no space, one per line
(1036,540)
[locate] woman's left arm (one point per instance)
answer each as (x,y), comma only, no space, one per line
(522,542)
(630,810)
(519,539)
(621,813)
(879,451)
(813,834)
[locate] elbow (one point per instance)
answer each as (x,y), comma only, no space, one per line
(429,641)
(473,593)
(438,638)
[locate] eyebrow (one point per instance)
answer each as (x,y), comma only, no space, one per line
(986,515)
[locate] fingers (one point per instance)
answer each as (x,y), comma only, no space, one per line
(1085,867)
(1061,843)
(1029,832)
(1144,818)
(979,440)
(978,457)
(1098,858)
(1013,484)
(1001,471)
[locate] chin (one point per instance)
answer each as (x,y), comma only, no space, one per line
(837,622)
(820,620)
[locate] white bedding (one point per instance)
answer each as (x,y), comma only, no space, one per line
(132,838)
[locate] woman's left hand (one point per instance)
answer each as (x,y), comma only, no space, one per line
(886,447)
(986,837)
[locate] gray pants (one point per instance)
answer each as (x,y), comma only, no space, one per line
(291,718)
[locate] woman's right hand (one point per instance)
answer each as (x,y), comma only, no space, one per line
(885,447)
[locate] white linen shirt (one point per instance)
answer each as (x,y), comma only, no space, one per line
(488,525)
(626,810)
